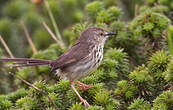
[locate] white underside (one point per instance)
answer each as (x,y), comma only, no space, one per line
(87,67)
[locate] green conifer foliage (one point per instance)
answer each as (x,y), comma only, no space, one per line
(158,63)
(140,104)
(169,71)
(137,69)
(164,101)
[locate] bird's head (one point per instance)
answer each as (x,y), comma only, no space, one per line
(96,35)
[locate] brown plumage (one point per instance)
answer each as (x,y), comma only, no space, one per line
(83,58)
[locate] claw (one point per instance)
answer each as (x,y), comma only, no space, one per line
(83,86)
(86,103)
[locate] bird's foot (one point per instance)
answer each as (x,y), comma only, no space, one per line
(85,102)
(83,87)
(82,100)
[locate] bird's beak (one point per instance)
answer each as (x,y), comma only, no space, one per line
(110,33)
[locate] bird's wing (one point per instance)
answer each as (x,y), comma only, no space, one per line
(76,53)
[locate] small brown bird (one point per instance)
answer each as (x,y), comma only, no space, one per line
(83,58)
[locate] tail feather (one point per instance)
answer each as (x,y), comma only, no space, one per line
(25,65)
(22,62)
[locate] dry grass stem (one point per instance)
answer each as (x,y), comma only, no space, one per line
(136,10)
(52,18)
(28,37)
(6,47)
(53,35)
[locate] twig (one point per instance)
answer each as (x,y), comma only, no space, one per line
(136,10)
(53,35)
(33,86)
(53,22)
(6,47)
(29,38)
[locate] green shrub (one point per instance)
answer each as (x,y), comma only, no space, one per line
(136,71)
(158,63)
(140,104)
(164,101)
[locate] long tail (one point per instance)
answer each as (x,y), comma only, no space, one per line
(23,62)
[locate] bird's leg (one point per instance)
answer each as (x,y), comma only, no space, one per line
(82,100)
(83,87)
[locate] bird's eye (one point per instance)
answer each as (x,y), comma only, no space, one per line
(101,34)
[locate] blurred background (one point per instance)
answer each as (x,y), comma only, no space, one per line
(142,30)
(66,13)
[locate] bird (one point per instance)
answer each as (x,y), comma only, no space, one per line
(79,61)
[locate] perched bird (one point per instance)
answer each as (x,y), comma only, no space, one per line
(83,58)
